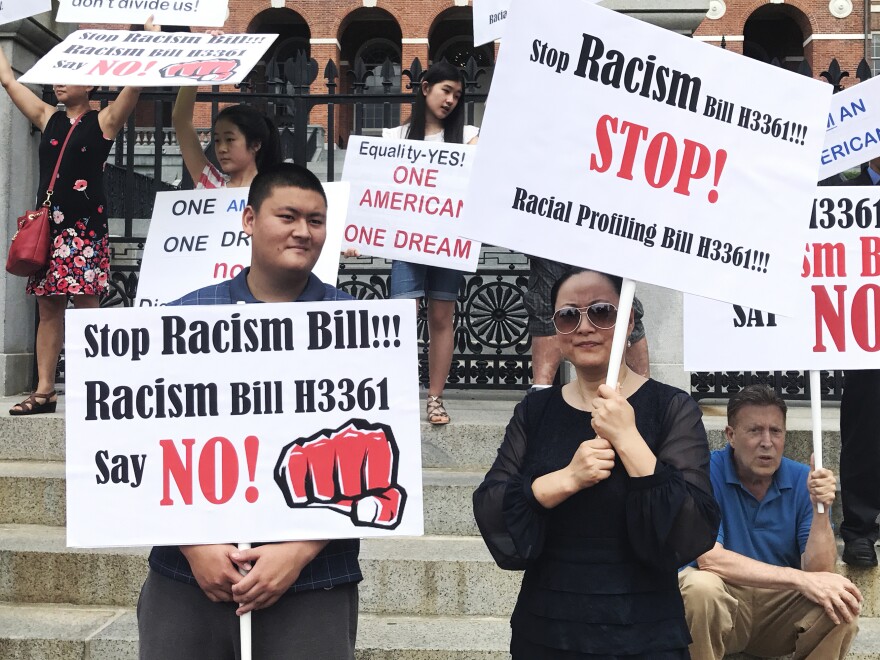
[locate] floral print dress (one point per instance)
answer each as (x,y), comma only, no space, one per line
(79,262)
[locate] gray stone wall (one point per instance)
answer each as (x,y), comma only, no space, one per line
(23,42)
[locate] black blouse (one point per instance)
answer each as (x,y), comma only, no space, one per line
(601,567)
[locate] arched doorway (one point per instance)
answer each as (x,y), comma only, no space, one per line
(292,30)
(776,31)
(452,38)
(294,37)
(373,36)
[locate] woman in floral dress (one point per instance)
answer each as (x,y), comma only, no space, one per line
(79,261)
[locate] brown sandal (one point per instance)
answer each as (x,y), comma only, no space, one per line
(31,405)
(436,412)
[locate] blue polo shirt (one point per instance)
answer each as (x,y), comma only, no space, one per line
(774,530)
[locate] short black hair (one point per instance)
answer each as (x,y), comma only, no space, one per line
(754,395)
(616,281)
(259,133)
(286,175)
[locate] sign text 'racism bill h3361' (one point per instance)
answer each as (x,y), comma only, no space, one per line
(270,422)
(663,160)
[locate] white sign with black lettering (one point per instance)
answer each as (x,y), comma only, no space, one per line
(207,13)
(273,422)
(680,164)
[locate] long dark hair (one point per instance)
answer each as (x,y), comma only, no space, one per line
(258,130)
(453,125)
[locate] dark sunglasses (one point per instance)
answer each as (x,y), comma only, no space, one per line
(602,315)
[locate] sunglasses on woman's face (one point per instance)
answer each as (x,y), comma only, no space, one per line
(568,319)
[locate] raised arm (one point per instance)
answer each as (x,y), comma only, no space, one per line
(820,552)
(31,106)
(182,119)
(112,118)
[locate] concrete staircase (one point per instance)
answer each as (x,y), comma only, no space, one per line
(439,597)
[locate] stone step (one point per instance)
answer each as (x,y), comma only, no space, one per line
(66,632)
(469,443)
(432,575)
(32,493)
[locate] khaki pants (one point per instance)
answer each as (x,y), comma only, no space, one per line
(726,618)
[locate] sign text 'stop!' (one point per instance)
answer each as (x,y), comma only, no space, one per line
(668,161)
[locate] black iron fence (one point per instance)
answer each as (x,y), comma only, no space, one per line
(492,345)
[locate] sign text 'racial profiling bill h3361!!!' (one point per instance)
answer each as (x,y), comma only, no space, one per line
(677,164)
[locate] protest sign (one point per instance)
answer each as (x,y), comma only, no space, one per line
(852,135)
(215,424)
(667,161)
(13,10)
(490,18)
(838,300)
(208,13)
(407,199)
(150,59)
(195,239)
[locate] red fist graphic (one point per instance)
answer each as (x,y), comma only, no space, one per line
(352,469)
(205,71)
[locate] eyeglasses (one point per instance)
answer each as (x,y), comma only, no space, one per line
(568,319)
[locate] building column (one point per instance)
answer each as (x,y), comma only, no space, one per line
(23,42)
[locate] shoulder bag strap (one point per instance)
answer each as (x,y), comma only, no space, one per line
(51,187)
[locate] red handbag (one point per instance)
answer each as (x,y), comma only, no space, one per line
(29,249)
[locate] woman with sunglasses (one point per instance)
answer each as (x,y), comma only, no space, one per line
(600,493)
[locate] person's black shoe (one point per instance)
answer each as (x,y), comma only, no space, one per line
(860,552)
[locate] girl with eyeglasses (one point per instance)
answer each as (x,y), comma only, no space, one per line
(600,493)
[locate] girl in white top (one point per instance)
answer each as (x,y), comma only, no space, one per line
(438,116)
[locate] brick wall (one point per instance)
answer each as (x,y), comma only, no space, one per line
(813,18)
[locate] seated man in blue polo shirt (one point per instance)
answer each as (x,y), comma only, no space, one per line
(304,593)
(767,587)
